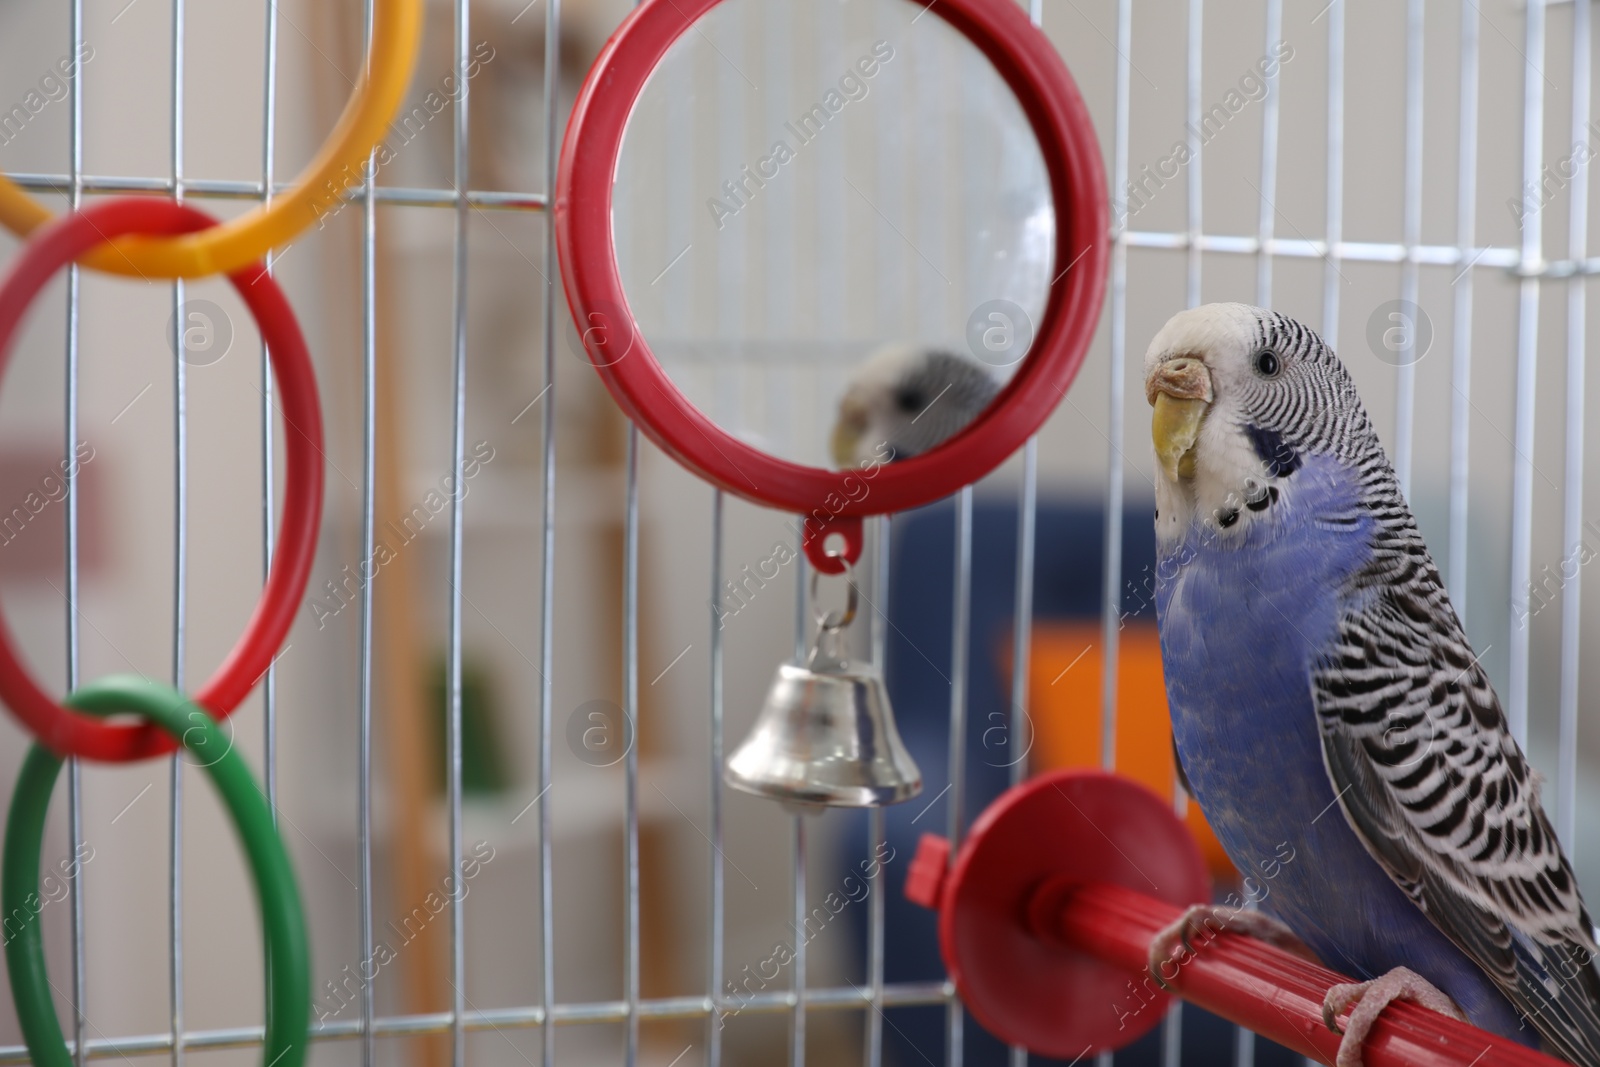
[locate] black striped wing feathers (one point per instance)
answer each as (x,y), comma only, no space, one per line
(1431,780)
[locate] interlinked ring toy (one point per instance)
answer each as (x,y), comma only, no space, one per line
(68,733)
(286,956)
(396,29)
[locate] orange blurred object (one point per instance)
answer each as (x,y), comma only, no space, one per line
(1064,700)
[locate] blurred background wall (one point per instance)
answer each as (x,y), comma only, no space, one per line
(128,411)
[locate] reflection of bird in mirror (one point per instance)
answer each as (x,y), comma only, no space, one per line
(906,399)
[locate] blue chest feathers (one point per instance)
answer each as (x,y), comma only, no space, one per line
(1244,615)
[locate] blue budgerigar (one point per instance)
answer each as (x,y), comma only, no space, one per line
(1327,706)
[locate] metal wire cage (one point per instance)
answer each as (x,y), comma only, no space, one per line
(431,712)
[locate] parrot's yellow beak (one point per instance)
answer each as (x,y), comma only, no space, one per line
(1180,392)
(847,434)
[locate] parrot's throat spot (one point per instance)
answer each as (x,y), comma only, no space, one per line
(1278,458)
(1267,497)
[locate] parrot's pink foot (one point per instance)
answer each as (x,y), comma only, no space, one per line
(1169,947)
(1369,999)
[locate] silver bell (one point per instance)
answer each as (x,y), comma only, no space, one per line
(826,733)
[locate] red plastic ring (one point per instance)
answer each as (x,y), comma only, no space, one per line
(1024,57)
(53,247)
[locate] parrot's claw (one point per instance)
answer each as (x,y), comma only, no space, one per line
(1366,1000)
(1171,947)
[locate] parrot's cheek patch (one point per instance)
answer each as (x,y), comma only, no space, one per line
(1175,426)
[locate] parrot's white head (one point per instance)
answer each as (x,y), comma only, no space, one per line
(907,399)
(1241,396)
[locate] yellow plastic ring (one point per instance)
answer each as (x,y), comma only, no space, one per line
(223,249)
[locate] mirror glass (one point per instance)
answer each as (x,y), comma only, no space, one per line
(833,225)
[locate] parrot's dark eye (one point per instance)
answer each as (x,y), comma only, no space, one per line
(1267,363)
(908,400)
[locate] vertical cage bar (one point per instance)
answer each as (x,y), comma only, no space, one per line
(1172,1035)
(933,79)
(797,1011)
(1244,1047)
(1172,1022)
(1334,219)
(877,836)
(180,381)
(801,573)
(74,769)
(832,225)
(777,256)
(1022,624)
(1111,554)
(879,631)
(79,946)
(1267,208)
(797,1025)
(718,887)
(877,830)
(180,557)
(175,762)
(1022,621)
(1411,235)
(1527,367)
(1572,498)
(364,730)
(732,378)
(547,543)
(1019,733)
(1111,551)
(369,483)
(269,683)
(458,435)
(1461,355)
(891,171)
(1172,1025)
(630,709)
(1020,723)
(1193,48)
(960,637)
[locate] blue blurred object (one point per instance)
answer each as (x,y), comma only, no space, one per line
(1067,585)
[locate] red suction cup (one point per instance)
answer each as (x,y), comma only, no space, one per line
(998,904)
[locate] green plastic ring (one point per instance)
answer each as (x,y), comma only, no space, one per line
(287,958)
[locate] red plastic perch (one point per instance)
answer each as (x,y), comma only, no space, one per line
(1047,913)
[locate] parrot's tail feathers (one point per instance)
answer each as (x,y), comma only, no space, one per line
(1560,997)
